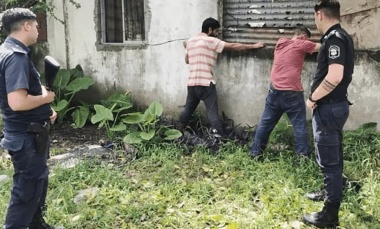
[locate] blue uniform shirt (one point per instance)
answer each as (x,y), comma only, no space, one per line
(337,48)
(17,71)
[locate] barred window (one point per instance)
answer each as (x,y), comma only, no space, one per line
(122,21)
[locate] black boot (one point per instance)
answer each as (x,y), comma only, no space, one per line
(321,195)
(317,196)
(327,218)
(40,224)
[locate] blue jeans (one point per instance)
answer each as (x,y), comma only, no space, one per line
(328,122)
(277,103)
(30,180)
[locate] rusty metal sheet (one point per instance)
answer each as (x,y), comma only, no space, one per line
(249,21)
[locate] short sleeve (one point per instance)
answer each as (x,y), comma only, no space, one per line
(336,51)
(17,73)
(308,46)
(218,45)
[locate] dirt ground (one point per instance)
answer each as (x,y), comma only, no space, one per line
(65,136)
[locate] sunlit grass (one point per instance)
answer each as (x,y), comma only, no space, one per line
(164,188)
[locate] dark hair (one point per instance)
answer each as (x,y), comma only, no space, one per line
(302,29)
(210,23)
(12,17)
(331,8)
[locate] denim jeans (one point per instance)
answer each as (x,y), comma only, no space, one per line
(277,103)
(208,95)
(328,122)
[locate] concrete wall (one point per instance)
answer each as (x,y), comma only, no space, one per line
(361,18)
(158,71)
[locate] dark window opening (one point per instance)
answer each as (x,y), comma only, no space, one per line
(122,20)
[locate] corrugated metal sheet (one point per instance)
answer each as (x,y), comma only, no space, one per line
(250,21)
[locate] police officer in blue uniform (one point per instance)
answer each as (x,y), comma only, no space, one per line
(330,106)
(26,113)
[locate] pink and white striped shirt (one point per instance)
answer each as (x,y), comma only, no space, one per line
(202,51)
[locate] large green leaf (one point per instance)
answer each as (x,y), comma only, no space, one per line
(156,108)
(147,136)
(133,118)
(102,113)
(79,84)
(149,118)
(60,105)
(119,127)
(133,138)
(80,116)
(122,109)
(62,79)
(76,72)
(172,134)
(121,100)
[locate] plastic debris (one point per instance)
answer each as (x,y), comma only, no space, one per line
(256,24)
(254,12)
(253,7)
(232,29)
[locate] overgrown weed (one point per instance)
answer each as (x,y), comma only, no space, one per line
(165,188)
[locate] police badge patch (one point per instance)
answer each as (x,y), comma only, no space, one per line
(334,52)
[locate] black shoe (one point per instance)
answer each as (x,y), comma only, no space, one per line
(40,224)
(320,220)
(317,196)
(256,156)
(327,218)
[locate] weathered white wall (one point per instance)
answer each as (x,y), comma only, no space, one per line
(158,72)
(361,18)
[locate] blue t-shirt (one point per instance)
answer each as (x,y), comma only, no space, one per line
(17,71)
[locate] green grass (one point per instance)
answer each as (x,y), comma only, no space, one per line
(164,188)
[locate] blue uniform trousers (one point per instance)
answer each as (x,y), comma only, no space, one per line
(30,180)
(328,121)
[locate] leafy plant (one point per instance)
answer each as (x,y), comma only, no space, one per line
(107,115)
(67,83)
(148,125)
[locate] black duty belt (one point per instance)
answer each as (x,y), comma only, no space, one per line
(330,101)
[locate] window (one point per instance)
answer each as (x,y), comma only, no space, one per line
(122,21)
(250,21)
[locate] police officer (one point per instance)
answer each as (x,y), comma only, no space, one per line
(25,111)
(330,106)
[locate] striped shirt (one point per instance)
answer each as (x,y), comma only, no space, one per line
(202,51)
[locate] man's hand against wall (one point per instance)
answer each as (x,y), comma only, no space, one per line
(259,45)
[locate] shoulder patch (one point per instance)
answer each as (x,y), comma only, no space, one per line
(334,52)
